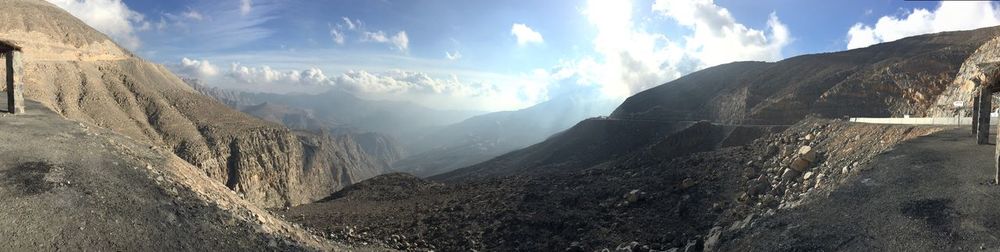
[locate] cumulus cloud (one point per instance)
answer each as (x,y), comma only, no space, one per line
(111,17)
(337,36)
(245,7)
(351,25)
(197,68)
(453,56)
(193,15)
(265,75)
(630,59)
(949,16)
(525,35)
(400,41)
(717,38)
(398,81)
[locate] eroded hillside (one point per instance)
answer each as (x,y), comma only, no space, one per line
(67,185)
(83,76)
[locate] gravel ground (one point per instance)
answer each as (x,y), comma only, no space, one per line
(932,193)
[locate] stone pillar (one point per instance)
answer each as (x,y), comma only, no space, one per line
(15,83)
(985,107)
(975,113)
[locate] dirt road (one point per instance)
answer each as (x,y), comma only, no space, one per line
(929,194)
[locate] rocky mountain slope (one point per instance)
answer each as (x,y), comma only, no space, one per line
(382,149)
(595,141)
(906,76)
(639,201)
(73,186)
(82,75)
(483,137)
(291,117)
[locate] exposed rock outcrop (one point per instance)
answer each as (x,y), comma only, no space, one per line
(82,75)
(965,83)
(70,185)
(380,147)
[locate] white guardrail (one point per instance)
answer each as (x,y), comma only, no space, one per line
(921,120)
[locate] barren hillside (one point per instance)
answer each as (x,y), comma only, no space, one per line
(73,186)
(906,76)
(82,75)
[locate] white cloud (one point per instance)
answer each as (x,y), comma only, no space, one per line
(717,38)
(351,25)
(453,56)
(265,75)
(193,15)
(398,81)
(525,35)
(197,68)
(337,35)
(378,36)
(245,7)
(112,17)
(949,16)
(630,59)
(400,41)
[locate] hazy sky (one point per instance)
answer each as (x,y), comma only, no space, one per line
(496,55)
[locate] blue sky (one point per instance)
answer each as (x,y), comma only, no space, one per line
(496,55)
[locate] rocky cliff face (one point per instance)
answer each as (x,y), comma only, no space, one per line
(380,147)
(82,75)
(962,88)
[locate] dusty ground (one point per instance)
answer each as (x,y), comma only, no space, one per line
(66,186)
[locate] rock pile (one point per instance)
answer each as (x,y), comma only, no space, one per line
(807,161)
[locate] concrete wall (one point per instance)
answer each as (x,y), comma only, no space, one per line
(921,120)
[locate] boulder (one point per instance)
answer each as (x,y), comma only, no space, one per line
(628,247)
(692,246)
(790,175)
(687,183)
(800,164)
(712,242)
(808,153)
(633,196)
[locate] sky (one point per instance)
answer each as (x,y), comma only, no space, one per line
(496,55)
